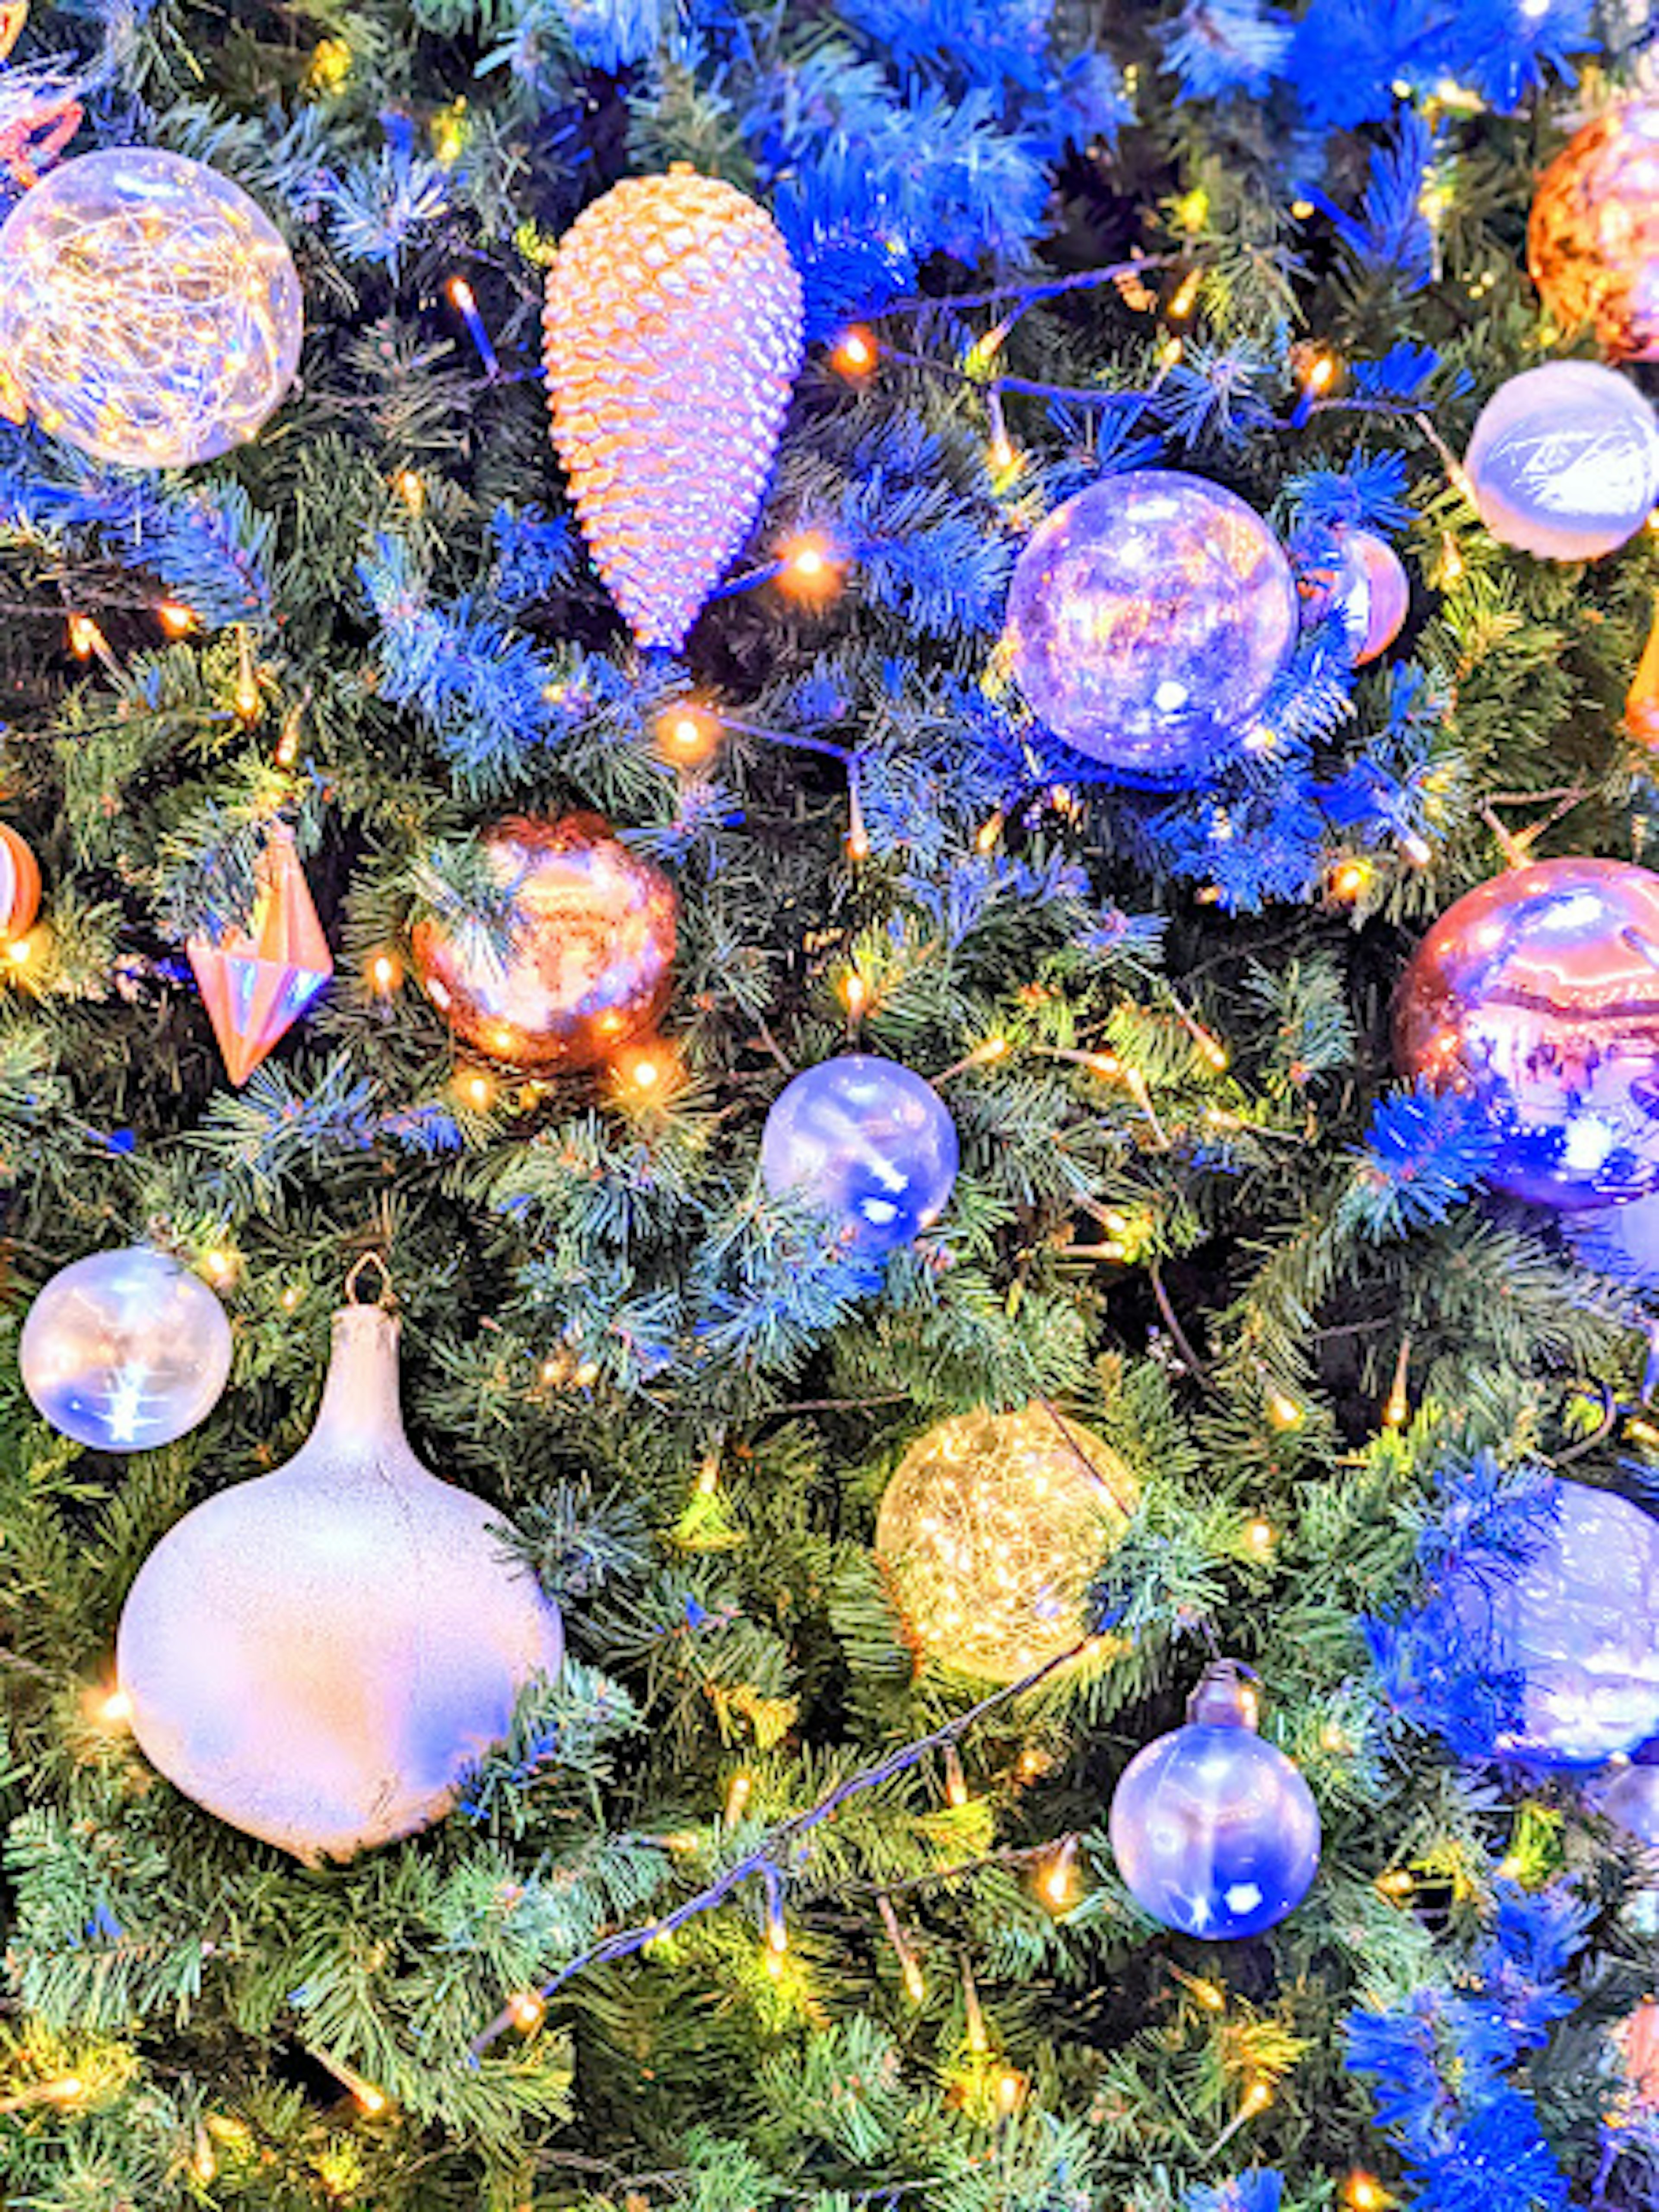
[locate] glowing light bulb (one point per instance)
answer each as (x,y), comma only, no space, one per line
(856,992)
(219,1263)
(687,734)
(385,973)
(1283,1412)
(477,1089)
(177,620)
(526,2010)
(116,1709)
(855,352)
(411,488)
(85,638)
(738,1790)
(1349,878)
(20,951)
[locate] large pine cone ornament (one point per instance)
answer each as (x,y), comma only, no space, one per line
(673,327)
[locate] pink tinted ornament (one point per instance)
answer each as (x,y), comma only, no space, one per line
(256,982)
(1367,587)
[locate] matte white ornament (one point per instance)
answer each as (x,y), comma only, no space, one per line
(1565,461)
(317,1655)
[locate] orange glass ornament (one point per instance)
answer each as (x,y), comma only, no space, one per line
(20,884)
(1642,700)
(590,962)
(256,982)
(1593,240)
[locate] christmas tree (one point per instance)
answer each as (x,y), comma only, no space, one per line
(860,802)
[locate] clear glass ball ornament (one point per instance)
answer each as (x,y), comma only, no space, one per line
(1215,1832)
(869,1143)
(1147,619)
(1565,461)
(125,1350)
(150,313)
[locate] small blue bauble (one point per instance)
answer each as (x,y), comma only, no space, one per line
(1215,1831)
(1565,461)
(866,1141)
(1537,995)
(1569,1640)
(125,1351)
(1147,619)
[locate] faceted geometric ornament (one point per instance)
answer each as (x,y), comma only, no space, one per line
(256,982)
(673,335)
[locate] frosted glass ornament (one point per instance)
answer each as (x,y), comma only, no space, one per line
(125,1351)
(1215,1832)
(317,1655)
(1565,461)
(990,1532)
(868,1142)
(1147,619)
(1537,995)
(1632,1799)
(1572,1637)
(150,311)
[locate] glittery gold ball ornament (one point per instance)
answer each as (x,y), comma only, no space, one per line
(1593,242)
(317,1655)
(591,952)
(673,335)
(150,312)
(990,1532)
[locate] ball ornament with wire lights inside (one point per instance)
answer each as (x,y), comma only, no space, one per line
(990,1532)
(150,312)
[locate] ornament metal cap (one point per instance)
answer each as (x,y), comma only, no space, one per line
(1225,1697)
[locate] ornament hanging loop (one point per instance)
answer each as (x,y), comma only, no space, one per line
(1225,1697)
(386,1297)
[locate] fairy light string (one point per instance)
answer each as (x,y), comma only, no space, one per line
(774,1848)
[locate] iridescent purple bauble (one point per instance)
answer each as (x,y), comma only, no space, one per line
(1147,620)
(868,1143)
(1366,585)
(1215,1831)
(1575,1630)
(1632,1799)
(1565,461)
(1538,994)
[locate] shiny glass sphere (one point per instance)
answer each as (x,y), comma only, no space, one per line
(125,1351)
(1565,461)
(1632,1799)
(1573,1633)
(1147,619)
(1367,586)
(150,312)
(1538,994)
(590,963)
(992,1530)
(1215,1833)
(868,1143)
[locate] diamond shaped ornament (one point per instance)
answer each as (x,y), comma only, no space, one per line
(256,982)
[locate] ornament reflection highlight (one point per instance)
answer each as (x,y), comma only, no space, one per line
(867,1142)
(1565,461)
(1538,994)
(125,1351)
(150,312)
(990,1532)
(1572,1637)
(1147,619)
(1215,1833)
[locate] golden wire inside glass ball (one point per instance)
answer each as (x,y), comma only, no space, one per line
(990,1532)
(149,312)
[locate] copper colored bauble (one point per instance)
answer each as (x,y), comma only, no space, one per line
(1593,242)
(673,335)
(256,982)
(1538,994)
(591,952)
(20,884)
(317,1655)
